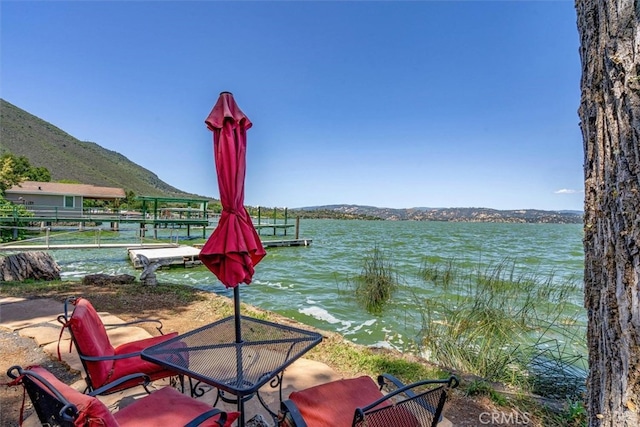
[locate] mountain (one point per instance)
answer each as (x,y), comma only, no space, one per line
(442,214)
(68,158)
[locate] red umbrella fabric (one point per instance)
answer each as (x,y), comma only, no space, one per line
(234,248)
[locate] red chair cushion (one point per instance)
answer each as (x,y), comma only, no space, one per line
(91,411)
(91,339)
(167,407)
(334,404)
(135,364)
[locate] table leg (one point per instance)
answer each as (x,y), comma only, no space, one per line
(238,400)
(241,410)
(276,382)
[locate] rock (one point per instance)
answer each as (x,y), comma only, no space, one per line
(29,265)
(106,279)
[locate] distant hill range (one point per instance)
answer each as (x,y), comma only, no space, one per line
(68,158)
(446,214)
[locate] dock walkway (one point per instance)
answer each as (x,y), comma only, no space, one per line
(182,255)
(187,256)
(44,247)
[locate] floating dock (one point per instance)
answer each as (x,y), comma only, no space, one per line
(185,256)
(276,243)
(274,227)
(36,247)
(286,242)
(137,247)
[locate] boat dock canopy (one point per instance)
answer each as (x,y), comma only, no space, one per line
(151,206)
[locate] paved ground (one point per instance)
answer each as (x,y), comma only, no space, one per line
(36,319)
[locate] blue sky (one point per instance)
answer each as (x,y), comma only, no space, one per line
(390,104)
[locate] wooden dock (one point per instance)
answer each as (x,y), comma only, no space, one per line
(274,227)
(276,243)
(138,246)
(187,256)
(183,255)
(286,242)
(170,254)
(44,247)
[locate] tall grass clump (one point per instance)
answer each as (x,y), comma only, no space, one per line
(507,326)
(376,283)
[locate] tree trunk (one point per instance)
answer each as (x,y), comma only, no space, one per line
(610,122)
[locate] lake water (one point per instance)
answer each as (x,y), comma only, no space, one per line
(311,284)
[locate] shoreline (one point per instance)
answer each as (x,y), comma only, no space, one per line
(183,308)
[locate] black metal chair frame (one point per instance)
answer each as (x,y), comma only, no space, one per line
(398,395)
(64,320)
(53,409)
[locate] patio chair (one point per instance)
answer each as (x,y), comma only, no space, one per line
(101,361)
(359,402)
(58,404)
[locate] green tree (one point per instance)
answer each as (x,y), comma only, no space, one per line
(15,169)
(22,167)
(130,201)
(40,174)
(8,175)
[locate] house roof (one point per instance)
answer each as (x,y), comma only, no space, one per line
(56,188)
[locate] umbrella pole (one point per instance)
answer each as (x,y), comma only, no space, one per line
(236,311)
(239,368)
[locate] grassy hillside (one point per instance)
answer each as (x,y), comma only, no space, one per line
(68,158)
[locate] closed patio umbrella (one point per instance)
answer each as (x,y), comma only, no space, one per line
(234,248)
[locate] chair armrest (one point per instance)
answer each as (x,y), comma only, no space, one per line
(407,390)
(67,313)
(206,415)
(68,412)
(289,409)
(144,381)
(385,380)
(135,322)
(29,373)
(114,357)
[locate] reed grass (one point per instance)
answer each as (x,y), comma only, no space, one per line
(507,326)
(377,282)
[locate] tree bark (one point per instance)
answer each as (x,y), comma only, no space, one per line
(29,265)
(610,122)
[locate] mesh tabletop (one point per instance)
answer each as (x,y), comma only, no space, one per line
(211,355)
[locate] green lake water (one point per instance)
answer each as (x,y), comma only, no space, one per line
(311,284)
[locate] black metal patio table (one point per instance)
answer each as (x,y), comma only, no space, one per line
(211,355)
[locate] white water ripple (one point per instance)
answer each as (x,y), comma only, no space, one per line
(347,327)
